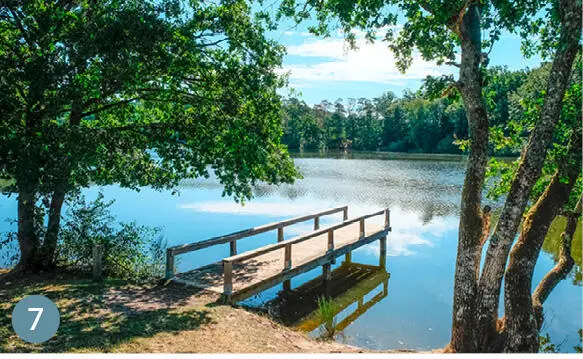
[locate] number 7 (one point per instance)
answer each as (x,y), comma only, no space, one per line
(40,312)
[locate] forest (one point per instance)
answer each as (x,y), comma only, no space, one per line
(423,121)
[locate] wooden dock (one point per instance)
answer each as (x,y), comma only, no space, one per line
(242,275)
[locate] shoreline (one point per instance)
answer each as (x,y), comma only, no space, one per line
(117,316)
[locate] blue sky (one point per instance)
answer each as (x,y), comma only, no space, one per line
(325,69)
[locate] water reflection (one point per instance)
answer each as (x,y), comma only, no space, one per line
(382,183)
(552,246)
(354,289)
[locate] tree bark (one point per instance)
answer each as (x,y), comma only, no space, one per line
(527,174)
(470,229)
(27,235)
(48,252)
(521,325)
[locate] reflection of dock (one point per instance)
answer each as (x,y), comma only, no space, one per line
(350,284)
(242,275)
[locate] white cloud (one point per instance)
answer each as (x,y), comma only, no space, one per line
(369,63)
(272,209)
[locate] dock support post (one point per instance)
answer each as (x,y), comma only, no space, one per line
(348,258)
(280,234)
(327,273)
(287,261)
(361,231)
(169,264)
(287,286)
(383,252)
(228,277)
(234,248)
(316,223)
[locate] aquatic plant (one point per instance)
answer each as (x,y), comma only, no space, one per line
(326,313)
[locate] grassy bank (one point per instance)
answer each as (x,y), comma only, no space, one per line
(117,316)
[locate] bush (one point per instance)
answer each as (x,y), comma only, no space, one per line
(447,145)
(397,146)
(130,251)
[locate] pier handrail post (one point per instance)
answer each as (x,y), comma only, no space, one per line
(280,234)
(287,263)
(228,276)
(169,263)
(361,233)
(316,223)
(331,240)
(233,248)
(387,218)
(345,213)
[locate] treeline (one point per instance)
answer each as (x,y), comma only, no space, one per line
(431,120)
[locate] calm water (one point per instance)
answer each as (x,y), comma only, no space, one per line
(415,312)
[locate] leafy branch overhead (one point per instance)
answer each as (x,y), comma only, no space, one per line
(138,93)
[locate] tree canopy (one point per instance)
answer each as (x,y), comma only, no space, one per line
(138,93)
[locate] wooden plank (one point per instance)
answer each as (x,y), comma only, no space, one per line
(273,247)
(228,278)
(250,231)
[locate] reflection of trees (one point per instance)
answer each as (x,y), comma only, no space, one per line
(552,246)
(426,187)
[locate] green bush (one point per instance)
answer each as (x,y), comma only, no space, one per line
(130,251)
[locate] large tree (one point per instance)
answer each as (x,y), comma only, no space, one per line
(448,32)
(138,93)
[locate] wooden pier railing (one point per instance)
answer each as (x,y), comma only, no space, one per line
(287,245)
(232,238)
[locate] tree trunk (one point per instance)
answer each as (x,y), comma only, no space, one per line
(527,174)
(521,325)
(470,230)
(27,235)
(48,253)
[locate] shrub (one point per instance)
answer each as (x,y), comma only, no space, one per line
(130,251)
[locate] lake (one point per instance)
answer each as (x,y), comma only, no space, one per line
(423,195)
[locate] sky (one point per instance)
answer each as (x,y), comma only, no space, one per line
(325,69)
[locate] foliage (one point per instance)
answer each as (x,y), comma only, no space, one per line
(545,344)
(524,108)
(416,122)
(326,312)
(138,93)
(578,348)
(130,251)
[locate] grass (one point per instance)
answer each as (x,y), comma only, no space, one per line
(92,319)
(118,316)
(326,312)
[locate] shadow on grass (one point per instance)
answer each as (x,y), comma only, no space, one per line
(95,320)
